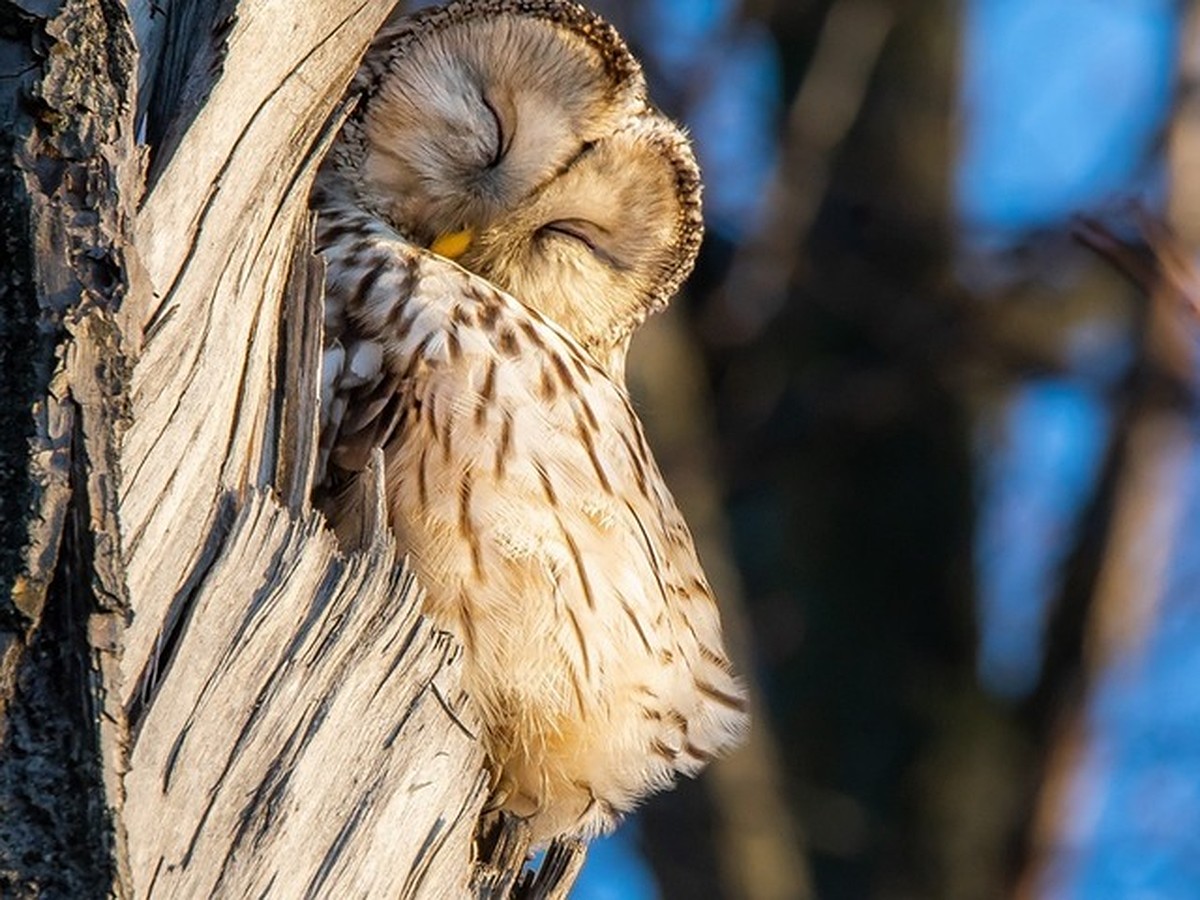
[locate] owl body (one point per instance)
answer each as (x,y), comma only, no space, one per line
(539,525)
(519,482)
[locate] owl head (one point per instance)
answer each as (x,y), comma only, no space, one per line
(467,109)
(515,136)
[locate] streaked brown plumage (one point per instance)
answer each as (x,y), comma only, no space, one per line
(519,481)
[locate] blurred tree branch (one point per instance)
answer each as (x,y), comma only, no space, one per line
(830,98)
(1111,602)
(1116,581)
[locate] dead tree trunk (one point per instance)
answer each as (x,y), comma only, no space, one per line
(199,695)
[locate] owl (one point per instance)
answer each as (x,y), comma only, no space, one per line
(501,211)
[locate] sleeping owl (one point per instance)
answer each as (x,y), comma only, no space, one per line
(515,137)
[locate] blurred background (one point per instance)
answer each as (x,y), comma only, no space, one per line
(941,458)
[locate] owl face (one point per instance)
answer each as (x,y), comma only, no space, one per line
(471,117)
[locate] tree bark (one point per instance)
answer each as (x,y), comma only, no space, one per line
(200,696)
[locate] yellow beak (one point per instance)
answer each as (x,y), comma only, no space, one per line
(453,244)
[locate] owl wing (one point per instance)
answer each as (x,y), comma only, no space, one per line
(514,442)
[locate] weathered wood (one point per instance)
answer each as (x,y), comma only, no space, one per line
(556,875)
(216,235)
(316,743)
(503,846)
(500,873)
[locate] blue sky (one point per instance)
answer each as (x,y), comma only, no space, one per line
(1061,104)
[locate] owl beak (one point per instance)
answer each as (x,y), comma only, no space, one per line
(453,244)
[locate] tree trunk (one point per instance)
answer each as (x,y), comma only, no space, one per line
(200,696)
